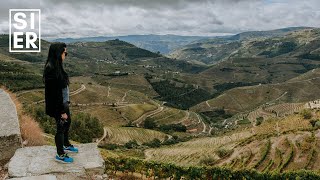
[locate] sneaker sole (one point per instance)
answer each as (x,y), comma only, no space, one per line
(68,151)
(60,161)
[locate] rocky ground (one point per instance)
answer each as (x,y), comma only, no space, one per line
(38,162)
(3,170)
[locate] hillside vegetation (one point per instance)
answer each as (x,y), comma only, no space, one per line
(245,103)
(278,144)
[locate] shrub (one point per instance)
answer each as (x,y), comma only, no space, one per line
(306,114)
(317,124)
(131,144)
(84,128)
(154,143)
(208,161)
(244,121)
(149,124)
(222,153)
(109,146)
(259,121)
(175,139)
(173,127)
(313,122)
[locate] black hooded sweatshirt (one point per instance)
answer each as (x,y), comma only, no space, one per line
(53,93)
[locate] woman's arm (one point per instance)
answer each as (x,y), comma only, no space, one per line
(59,105)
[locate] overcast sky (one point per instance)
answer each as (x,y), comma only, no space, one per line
(83,18)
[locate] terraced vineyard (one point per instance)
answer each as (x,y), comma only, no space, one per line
(260,112)
(249,111)
(277,144)
(285,108)
(250,97)
(191,120)
(192,152)
(17,75)
(106,115)
(133,111)
(194,124)
(134,82)
(121,135)
(169,115)
(278,110)
(291,151)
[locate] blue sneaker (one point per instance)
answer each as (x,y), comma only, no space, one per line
(70,149)
(64,158)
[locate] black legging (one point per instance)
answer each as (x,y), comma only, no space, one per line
(62,133)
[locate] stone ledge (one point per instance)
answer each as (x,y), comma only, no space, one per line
(10,136)
(40,160)
(42,177)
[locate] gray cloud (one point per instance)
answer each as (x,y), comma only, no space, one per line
(150,4)
(78,18)
(14,4)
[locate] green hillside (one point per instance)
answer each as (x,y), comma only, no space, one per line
(302,41)
(17,75)
(249,97)
(251,110)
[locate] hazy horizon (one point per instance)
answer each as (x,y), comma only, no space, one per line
(81,18)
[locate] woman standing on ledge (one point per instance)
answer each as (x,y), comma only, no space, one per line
(57,99)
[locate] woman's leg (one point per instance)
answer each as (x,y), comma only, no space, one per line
(66,129)
(59,136)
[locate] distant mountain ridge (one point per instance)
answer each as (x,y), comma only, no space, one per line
(267,33)
(162,43)
(212,50)
(166,44)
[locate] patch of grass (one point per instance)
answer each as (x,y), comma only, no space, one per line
(244,121)
(312,157)
(122,135)
(259,120)
(31,132)
(306,113)
(222,152)
(289,158)
(208,161)
(264,152)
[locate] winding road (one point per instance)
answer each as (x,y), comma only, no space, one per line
(124,96)
(104,135)
(82,88)
(109,89)
(208,104)
(146,115)
(27,91)
(186,117)
(200,120)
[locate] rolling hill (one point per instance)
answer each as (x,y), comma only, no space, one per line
(298,89)
(155,43)
(279,145)
(249,111)
(248,44)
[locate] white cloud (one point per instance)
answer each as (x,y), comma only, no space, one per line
(78,18)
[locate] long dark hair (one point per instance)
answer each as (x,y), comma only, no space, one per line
(54,62)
